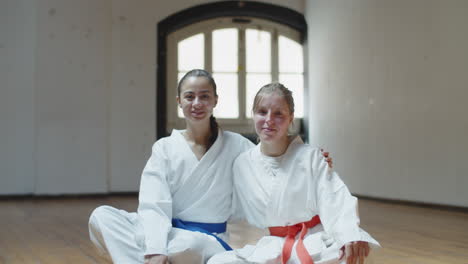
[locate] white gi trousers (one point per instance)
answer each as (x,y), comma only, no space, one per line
(120,234)
(230,257)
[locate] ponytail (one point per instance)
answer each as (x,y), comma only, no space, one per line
(214,131)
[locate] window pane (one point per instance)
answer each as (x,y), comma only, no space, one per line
(228,100)
(295,83)
(225,50)
(258,51)
(191,53)
(254,81)
(290,55)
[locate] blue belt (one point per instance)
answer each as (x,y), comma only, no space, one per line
(206,228)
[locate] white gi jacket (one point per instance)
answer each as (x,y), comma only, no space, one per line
(175,184)
(292,189)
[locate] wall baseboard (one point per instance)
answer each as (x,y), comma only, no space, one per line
(415,204)
(66,196)
(135,194)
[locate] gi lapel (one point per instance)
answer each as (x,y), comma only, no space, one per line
(200,176)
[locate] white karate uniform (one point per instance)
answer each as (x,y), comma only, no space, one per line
(287,190)
(174,184)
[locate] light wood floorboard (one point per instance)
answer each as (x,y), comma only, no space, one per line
(55,230)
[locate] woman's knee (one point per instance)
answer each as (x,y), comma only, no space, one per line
(101,213)
(227,257)
(188,240)
(94,226)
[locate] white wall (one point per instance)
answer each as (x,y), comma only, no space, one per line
(72,96)
(388,85)
(77,97)
(17,139)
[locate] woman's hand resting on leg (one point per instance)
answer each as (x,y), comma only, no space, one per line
(355,252)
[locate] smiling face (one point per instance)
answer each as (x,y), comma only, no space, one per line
(197,99)
(272,117)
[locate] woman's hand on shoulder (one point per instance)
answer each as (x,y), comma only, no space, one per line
(329,160)
(156,259)
(355,252)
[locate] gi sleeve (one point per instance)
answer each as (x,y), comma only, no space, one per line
(237,212)
(155,202)
(337,208)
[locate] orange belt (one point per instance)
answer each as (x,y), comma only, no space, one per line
(290,233)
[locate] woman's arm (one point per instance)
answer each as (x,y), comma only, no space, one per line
(338,212)
(155,203)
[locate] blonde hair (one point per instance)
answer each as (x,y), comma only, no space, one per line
(277,88)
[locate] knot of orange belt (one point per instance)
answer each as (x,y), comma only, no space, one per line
(290,233)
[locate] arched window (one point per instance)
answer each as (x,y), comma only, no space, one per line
(243,53)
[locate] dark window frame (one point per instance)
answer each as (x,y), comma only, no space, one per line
(279,14)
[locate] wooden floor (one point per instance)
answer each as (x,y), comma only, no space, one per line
(48,230)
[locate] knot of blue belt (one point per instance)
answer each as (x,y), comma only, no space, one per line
(206,228)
